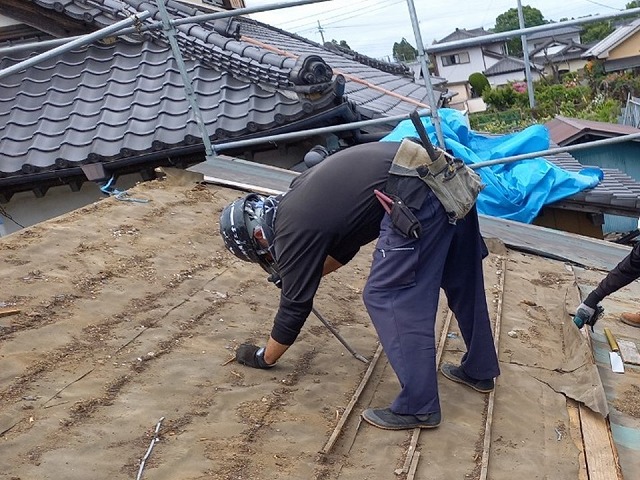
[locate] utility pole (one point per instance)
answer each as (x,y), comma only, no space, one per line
(321,30)
(525,56)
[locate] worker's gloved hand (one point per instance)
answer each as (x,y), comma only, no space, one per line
(586,315)
(252,356)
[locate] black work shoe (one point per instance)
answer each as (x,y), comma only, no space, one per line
(385,418)
(457,375)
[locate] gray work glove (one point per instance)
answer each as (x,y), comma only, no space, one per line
(586,315)
(251,356)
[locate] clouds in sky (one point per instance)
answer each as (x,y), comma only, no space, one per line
(372,26)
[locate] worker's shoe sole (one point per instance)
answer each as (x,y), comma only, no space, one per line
(456,374)
(388,420)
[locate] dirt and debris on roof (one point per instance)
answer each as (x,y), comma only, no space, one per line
(127,318)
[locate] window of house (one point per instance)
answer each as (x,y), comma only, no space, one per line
(455,59)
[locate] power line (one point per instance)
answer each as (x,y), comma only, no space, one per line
(305,18)
(352,15)
(604,5)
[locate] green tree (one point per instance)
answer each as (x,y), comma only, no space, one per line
(633,4)
(479,83)
(509,21)
(596,31)
(404,51)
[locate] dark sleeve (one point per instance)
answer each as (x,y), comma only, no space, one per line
(344,256)
(300,263)
(622,275)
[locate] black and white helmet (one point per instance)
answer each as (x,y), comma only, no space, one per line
(238,222)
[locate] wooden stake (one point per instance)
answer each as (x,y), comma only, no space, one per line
(411,451)
(5,312)
(484,463)
(354,399)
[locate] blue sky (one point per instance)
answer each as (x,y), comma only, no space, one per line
(372,26)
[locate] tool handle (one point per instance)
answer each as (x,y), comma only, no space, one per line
(612,340)
(422,133)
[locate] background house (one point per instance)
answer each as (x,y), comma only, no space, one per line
(620,50)
(619,157)
(511,69)
(560,36)
(457,63)
(559,51)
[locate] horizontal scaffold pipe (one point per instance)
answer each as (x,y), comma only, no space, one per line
(555,151)
(83,40)
(315,131)
(155,25)
(494,37)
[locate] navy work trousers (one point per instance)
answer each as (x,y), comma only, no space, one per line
(401,296)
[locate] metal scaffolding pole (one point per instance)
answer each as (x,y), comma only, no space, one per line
(170,32)
(425,73)
(316,131)
(555,151)
(155,25)
(440,47)
(84,40)
(525,55)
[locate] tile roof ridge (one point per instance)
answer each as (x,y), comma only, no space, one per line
(215,43)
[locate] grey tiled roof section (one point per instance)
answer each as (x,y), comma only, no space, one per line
(556,32)
(616,189)
(102,102)
(462,34)
(108,102)
(507,65)
(213,44)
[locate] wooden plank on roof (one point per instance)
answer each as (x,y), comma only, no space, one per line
(601,458)
(599,449)
(250,176)
(575,430)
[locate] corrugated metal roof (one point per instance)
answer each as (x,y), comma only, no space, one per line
(565,130)
(602,48)
(106,103)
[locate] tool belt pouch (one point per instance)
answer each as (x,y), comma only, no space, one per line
(404,220)
(454,184)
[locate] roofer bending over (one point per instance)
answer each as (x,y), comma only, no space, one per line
(628,270)
(320,223)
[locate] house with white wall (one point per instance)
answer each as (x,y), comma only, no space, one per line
(510,69)
(559,50)
(458,63)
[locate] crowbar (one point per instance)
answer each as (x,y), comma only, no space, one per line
(338,336)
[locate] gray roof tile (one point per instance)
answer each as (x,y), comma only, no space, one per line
(108,101)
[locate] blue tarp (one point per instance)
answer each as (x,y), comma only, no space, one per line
(517,190)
